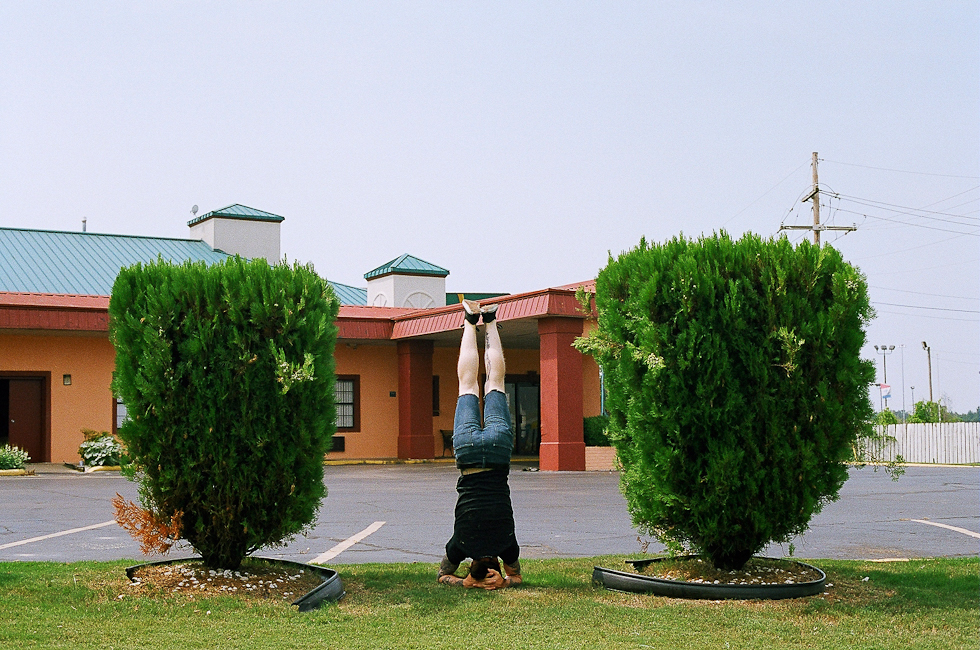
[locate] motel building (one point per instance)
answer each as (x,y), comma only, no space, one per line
(396,351)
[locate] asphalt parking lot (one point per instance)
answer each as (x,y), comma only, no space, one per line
(64,516)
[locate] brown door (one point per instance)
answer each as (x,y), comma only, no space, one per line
(24,415)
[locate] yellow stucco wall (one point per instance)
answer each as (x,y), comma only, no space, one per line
(444,366)
(377,367)
(591,388)
(90,360)
(86,404)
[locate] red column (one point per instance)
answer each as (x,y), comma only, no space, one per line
(562,438)
(415,400)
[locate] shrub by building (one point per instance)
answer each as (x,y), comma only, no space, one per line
(227,372)
(735,386)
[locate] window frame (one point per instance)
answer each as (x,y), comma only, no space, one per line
(116,403)
(356,389)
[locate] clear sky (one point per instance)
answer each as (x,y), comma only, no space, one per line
(517,144)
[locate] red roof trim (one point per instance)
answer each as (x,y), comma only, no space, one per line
(90,313)
(534,304)
(53,300)
(48,311)
(588,285)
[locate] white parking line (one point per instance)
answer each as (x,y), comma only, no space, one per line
(64,532)
(957,529)
(347,543)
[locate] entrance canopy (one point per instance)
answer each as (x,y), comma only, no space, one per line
(548,320)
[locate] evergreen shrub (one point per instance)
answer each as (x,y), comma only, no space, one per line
(736,387)
(594,429)
(227,372)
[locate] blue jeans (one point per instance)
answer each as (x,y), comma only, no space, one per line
(487,446)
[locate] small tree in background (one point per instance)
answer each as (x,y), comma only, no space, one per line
(227,373)
(926,411)
(736,387)
(886,417)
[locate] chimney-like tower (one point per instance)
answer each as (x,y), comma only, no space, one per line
(407,281)
(240,230)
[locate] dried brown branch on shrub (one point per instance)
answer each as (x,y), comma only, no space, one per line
(154,534)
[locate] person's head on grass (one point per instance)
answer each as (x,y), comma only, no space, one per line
(480,567)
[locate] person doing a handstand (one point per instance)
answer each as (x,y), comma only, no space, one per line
(484,527)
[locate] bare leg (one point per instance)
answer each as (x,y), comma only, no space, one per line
(493,358)
(468,366)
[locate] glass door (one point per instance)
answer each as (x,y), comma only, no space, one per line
(524,400)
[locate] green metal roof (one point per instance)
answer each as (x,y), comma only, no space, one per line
(408,265)
(348,295)
(83,263)
(238,211)
(86,263)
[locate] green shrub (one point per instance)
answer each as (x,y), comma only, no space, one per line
(735,385)
(227,373)
(926,411)
(100,449)
(13,457)
(886,417)
(595,431)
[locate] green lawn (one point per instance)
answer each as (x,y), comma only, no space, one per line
(918,604)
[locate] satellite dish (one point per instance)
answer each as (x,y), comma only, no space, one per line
(194,210)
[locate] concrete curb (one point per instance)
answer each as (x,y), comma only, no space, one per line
(412,461)
(103,468)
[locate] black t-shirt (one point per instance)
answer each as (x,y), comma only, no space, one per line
(484,516)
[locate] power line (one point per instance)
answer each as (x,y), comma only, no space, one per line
(915,211)
(906,250)
(763,195)
(920,293)
(930,268)
(928,205)
(900,171)
(892,304)
(942,318)
(814,196)
(917,225)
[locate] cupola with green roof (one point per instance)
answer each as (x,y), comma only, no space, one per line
(239,230)
(407,281)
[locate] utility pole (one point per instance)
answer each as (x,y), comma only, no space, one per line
(814,196)
(929,356)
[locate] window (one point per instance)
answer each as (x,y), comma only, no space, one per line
(348,399)
(435,395)
(119,414)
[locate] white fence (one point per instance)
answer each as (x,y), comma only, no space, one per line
(953,443)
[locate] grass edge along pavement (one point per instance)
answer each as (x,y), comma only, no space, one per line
(927,603)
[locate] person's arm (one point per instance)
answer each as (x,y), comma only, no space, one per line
(496,581)
(470,582)
(513,577)
(447,573)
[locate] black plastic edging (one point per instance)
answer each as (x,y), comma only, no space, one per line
(637,583)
